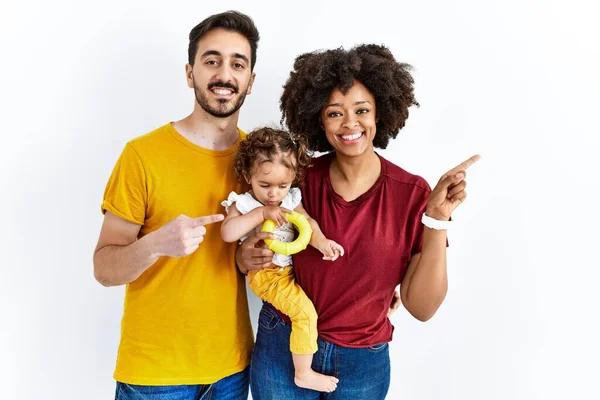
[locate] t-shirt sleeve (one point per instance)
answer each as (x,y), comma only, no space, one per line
(126,191)
(418,226)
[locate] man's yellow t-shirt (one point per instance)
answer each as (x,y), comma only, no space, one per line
(185,320)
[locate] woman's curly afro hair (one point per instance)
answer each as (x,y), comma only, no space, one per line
(317,74)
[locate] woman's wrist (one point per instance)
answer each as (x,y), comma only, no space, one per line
(431,213)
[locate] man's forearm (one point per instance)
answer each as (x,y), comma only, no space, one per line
(116,265)
(249,257)
(240,262)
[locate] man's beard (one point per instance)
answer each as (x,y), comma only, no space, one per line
(224,108)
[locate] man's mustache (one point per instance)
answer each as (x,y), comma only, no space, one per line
(225,85)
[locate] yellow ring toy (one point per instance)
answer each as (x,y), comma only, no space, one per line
(303,239)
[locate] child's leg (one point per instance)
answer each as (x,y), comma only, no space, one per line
(306,378)
(280,289)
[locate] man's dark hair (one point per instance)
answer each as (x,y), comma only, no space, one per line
(230,20)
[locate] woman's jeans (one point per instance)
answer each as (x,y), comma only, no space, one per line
(364,373)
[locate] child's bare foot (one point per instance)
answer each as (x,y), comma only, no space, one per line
(315,381)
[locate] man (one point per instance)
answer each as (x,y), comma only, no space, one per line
(185,330)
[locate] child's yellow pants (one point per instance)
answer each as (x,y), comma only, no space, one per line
(277,285)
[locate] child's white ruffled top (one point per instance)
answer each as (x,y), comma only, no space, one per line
(246,203)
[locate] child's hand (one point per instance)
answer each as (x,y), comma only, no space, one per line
(275,214)
(330,249)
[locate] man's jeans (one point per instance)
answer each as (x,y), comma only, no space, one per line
(234,387)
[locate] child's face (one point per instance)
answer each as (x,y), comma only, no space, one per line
(271,182)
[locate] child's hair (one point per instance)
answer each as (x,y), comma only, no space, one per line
(272,145)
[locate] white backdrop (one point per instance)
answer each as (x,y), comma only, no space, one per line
(515,81)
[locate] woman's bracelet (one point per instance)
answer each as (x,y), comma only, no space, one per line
(435,223)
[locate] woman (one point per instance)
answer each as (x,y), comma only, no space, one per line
(392,225)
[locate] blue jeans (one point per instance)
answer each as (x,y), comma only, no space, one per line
(234,387)
(363,373)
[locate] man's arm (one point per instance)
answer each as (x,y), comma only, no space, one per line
(120,258)
(251,255)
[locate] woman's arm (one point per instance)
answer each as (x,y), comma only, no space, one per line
(425,283)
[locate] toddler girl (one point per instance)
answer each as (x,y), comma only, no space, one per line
(273,163)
